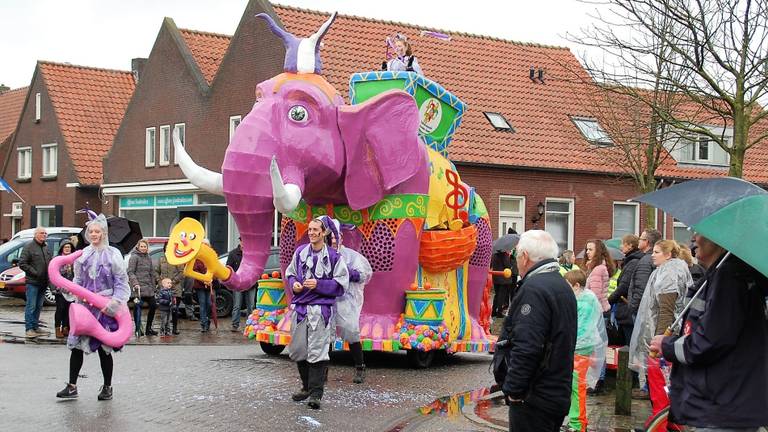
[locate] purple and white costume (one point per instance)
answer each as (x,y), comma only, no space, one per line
(313,308)
(100,270)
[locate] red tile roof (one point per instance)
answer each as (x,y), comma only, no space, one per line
(208,49)
(11,104)
(89,104)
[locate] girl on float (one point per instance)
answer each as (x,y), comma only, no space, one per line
(317,275)
(349,305)
(100,269)
(404,60)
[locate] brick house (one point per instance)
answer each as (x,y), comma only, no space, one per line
(526,142)
(11,103)
(67,123)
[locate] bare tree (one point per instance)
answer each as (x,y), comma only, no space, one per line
(706,59)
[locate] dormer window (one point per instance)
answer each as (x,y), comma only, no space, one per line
(499,122)
(699,149)
(592,131)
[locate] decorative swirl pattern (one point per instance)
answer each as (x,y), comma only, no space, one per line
(417,208)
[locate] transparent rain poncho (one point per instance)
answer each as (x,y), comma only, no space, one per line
(349,306)
(591,337)
(671,277)
(101,270)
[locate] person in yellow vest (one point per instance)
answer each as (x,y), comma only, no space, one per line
(567,262)
(613,282)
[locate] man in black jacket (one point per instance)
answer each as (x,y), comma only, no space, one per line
(34,260)
(720,375)
(502,286)
(642,273)
(540,337)
(620,297)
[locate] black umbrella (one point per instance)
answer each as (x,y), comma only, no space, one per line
(507,242)
(123,234)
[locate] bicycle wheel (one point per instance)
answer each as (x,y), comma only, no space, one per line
(658,423)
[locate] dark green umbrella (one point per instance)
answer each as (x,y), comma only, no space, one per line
(614,243)
(729,211)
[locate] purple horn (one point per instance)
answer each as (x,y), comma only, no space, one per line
(301,55)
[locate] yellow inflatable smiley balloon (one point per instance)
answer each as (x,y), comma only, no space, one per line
(185,241)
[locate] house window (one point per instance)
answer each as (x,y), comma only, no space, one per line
(149,147)
(234,122)
(46,216)
(559,221)
(25,163)
(50,160)
(511,214)
(37,107)
(626,219)
(681,232)
(498,122)
(165,145)
(180,130)
(700,149)
(592,131)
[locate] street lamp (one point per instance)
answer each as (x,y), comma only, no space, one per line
(540,208)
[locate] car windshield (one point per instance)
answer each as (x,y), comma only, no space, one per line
(12,249)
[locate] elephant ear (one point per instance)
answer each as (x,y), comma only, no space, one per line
(382,146)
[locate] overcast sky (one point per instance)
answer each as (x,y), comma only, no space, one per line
(108,33)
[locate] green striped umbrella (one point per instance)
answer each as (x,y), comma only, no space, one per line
(729,211)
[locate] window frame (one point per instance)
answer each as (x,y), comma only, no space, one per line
(233,126)
(604,141)
(508,128)
(150,149)
(164,158)
(47,208)
(504,213)
(55,148)
(637,216)
(27,163)
(182,138)
(571,215)
(38,108)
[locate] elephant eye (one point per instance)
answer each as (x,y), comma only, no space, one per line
(298,114)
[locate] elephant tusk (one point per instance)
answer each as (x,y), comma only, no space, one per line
(201,177)
(285,197)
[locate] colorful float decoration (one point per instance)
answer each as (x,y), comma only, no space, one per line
(379,164)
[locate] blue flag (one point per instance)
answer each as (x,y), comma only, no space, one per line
(4,186)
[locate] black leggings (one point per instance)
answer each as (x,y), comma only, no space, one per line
(76,362)
(61,317)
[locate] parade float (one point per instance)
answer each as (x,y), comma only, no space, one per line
(379,164)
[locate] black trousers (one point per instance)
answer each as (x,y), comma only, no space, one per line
(61,317)
(524,417)
(76,363)
(501,297)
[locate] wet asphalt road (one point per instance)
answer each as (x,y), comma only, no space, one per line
(220,381)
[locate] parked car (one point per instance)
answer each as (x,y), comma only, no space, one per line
(13,279)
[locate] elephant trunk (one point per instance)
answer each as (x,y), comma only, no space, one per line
(248,190)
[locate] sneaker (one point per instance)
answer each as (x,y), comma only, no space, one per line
(300,395)
(598,390)
(176,332)
(314,403)
(150,332)
(31,334)
(640,394)
(69,392)
(105,393)
(235,329)
(42,332)
(359,375)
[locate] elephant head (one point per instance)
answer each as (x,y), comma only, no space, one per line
(301,142)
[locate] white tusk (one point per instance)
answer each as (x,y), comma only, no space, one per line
(201,177)
(285,197)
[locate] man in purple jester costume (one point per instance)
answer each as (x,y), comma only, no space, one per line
(317,275)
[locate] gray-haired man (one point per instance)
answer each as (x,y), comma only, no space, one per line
(34,260)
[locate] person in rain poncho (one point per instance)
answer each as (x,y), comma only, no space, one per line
(662,301)
(317,275)
(100,269)
(349,306)
(589,355)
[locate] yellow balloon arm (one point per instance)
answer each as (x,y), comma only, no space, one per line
(212,265)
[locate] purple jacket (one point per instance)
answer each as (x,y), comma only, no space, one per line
(332,279)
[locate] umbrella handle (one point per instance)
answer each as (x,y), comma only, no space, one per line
(667,332)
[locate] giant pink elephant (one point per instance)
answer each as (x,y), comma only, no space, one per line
(301,146)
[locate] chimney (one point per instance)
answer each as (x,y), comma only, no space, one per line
(541,75)
(137,67)
(4,87)
(532,74)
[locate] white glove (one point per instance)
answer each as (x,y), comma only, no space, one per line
(112,307)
